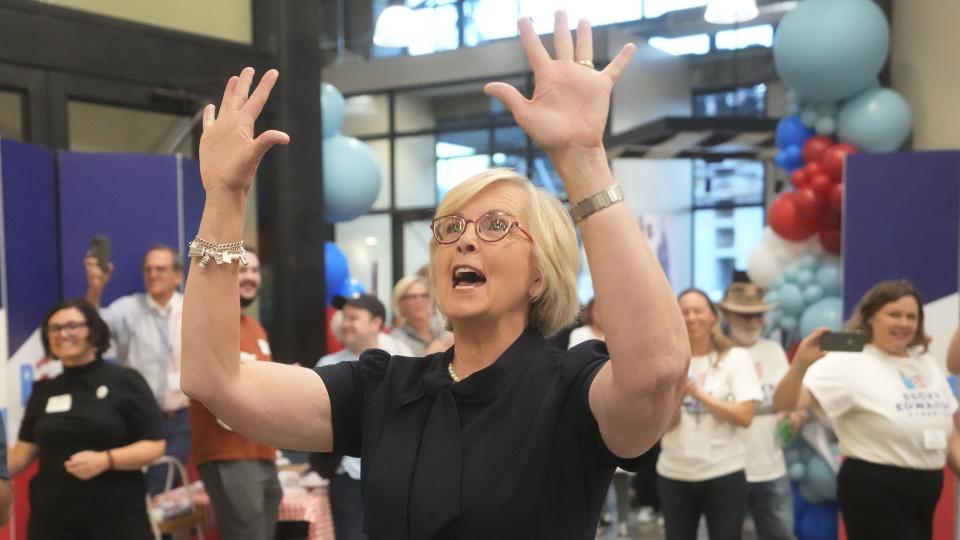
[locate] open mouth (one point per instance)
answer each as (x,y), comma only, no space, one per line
(466,277)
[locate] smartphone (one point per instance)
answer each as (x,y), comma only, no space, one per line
(100,249)
(843,341)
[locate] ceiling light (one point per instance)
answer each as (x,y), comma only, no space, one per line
(730,11)
(393,27)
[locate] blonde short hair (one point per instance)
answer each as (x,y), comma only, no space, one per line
(555,251)
(401,287)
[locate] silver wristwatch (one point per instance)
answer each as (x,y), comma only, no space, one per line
(596,202)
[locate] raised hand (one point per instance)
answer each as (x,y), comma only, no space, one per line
(571,100)
(809,350)
(229,152)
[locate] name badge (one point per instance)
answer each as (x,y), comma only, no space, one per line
(934,439)
(59,404)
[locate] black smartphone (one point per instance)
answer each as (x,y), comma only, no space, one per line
(843,341)
(100,249)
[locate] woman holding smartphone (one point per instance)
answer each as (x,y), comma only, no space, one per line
(892,410)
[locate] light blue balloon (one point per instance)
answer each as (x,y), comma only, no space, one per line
(809,116)
(828,50)
(771,297)
(351,178)
(790,273)
(804,277)
(876,120)
(809,261)
(830,277)
(824,312)
(825,125)
(791,299)
(821,479)
(788,323)
(332,107)
(812,293)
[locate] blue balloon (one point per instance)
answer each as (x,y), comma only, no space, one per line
(830,278)
(791,299)
(799,505)
(828,50)
(821,478)
(812,293)
(876,120)
(351,178)
(352,287)
(824,312)
(804,277)
(336,271)
(332,108)
(791,133)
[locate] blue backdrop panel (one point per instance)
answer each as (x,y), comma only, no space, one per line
(131,198)
(193,198)
(30,232)
(901,220)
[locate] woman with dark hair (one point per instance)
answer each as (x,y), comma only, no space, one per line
(892,410)
(93,428)
(702,460)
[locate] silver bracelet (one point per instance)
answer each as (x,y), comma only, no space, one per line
(596,202)
(221,253)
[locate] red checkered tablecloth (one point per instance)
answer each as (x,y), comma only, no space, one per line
(311,506)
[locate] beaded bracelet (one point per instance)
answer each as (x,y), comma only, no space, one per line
(221,253)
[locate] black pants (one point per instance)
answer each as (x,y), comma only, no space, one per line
(882,501)
(723,501)
(346,507)
(645,482)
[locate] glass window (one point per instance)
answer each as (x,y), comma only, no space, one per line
(510,149)
(107,128)
(434,29)
(745,101)
(741,38)
(11,115)
(714,262)
(728,182)
(656,8)
(678,46)
(461,155)
(229,20)
(366,243)
(416,245)
(448,107)
(366,114)
(416,162)
(381,149)
(545,176)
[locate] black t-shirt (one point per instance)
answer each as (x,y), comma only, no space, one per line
(109,406)
(513,451)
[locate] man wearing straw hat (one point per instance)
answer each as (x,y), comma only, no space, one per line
(770,497)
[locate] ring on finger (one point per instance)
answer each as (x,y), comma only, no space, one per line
(588,63)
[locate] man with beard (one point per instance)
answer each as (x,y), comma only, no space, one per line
(770,499)
(239,474)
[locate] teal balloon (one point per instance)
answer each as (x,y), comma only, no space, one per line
(332,108)
(791,299)
(828,50)
(820,478)
(876,120)
(790,273)
(771,297)
(809,261)
(788,323)
(830,278)
(804,277)
(824,312)
(812,293)
(351,178)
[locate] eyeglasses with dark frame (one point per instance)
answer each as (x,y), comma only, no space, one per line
(72,326)
(490,227)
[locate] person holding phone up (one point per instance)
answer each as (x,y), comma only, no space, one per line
(892,410)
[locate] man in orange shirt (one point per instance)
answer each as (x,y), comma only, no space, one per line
(239,474)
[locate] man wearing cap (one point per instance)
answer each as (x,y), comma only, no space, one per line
(770,497)
(362,324)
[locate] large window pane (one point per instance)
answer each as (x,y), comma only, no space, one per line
(107,128)
(722,242)
(745,101)
(656,8)
(545,176)
(366,114)
(461,155)
(229,20)
(450,106)
(381,149)
(366,243)
(434,29)
(11,115)
(415,162)
(728,182)
(416,245)
(510,149)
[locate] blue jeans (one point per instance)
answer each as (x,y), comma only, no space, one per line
(771,506)
(176,431)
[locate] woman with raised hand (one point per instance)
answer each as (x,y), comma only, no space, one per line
(500,436)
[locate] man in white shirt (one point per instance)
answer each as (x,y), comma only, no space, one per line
(360,329)
(770,499)
(145,330)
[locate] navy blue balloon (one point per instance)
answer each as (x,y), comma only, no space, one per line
(792,132)
(336,270)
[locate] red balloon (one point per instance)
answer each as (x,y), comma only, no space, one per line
(821,183)
(799,178)
(831,240)
(812,169)
(830,219)
(786,221)
(833,159)
(809,203)
(835,198)
(814,148)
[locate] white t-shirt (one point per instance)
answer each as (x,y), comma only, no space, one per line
(886,409)
(764,456)
(702,447)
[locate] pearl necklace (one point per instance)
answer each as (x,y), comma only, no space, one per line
(451,372)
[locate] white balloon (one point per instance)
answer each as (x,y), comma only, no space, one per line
(764,266)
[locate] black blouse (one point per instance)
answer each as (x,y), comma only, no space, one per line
(513,451)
